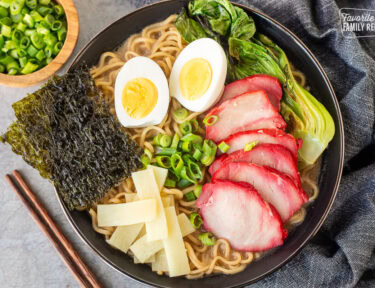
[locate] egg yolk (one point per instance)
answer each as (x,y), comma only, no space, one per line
(139,97)
(195,78)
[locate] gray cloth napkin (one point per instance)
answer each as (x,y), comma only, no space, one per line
(342,254)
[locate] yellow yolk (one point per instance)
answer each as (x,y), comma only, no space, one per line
(139,97)
(195,78)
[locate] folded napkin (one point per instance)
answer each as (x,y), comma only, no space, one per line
(342,254)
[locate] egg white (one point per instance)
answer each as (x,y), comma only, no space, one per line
(211,51)
(142,67)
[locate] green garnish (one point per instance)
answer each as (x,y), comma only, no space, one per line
(210,120)
(207,239)
(189,196)
(195,220)
(180,114)
(224,147)
(250,146)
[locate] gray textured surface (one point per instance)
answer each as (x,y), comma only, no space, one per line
(27,258)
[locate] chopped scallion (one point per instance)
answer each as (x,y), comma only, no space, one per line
(195,220)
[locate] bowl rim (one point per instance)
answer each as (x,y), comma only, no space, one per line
(66,51)
(340,127)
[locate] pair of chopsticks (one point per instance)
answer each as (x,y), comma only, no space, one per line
(68,254)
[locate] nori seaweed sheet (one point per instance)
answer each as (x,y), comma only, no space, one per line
(66,132)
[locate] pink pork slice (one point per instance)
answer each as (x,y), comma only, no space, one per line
(269,84)
(274,187)
(236,212)
(247,111)
(272,155)
(238,140)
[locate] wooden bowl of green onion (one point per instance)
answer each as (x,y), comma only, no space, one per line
(36,39)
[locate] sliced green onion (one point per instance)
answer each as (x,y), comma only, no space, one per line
(31,4)
(6,21)
(28,20)
(61,33)
(6,31)
(250,146)
(40,55)
(44,2)
(197,154)
(163,161)
(210,120)
(12,71)
(57,48)
(207,239)
(186,127)
(207,160)
(170,183)
(30,67)
(44,10)
(31,50)
(59,10)
(180,114)
(37,41)
(5,3)
(13,68)
(224,147)
(209,147)
(29,32)
(177,164)
(16,18)
(2,41)
(197,190)
(2,68)
(165,141)
(195,125)
(194,170)
(183,183)
(145,160)
(36,16)
(189,196)
(21,52)
(3,12)
(187,157)
(165,151)
(21,26)
(41,29)
(148,153)
(185,175)
(16,36)
(5,59)
(49,60)
(192,138)
(16,7)
(186,146)
(175,141)
(25,42)
(49,19)
(9,45)
(24,11)
(157,138)
(56,25)
(23,61)
(13,53)
(195,220)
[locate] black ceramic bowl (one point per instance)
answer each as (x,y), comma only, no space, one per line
(115,34)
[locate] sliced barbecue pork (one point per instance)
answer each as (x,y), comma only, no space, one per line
(247,111)
(272,155)
(236,212)
(238,140)
(269,84)
(274,187)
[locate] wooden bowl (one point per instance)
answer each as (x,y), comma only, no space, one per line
(67,49)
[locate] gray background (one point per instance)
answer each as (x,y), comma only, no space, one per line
(27,258)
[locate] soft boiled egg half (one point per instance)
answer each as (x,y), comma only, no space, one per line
(141,93)
(198,75)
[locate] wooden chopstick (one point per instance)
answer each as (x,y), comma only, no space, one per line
(68,254)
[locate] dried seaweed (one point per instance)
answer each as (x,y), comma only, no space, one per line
(65,130)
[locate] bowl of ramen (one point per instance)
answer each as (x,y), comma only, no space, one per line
(188,147)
